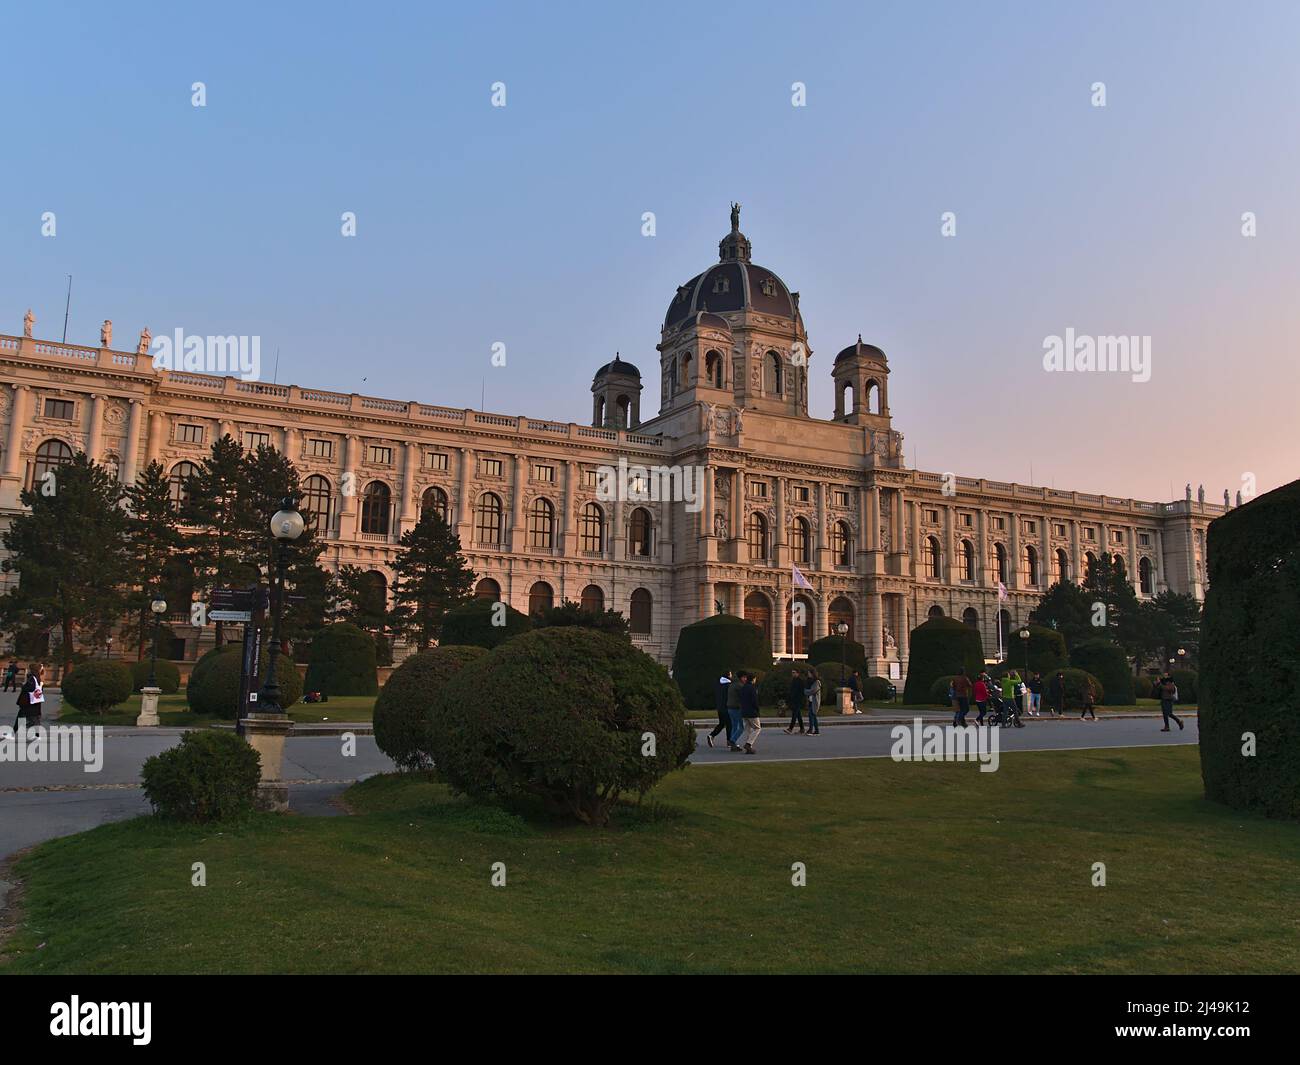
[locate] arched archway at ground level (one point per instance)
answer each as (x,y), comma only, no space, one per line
(758,609)
(841,610)
(936,611)
(487,589)
(800,618)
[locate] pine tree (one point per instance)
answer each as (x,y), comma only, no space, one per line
(432,577)
(71,556)
(1066,608)
(158,553)
(1107,582)
(359,599)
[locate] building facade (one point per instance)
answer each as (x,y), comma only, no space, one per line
(757,486)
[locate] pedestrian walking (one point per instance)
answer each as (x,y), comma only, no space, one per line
(1035,695)
(749,712)
(1056,694)
(733,713)
(1089,698)
(11,676)
(31,700)
(961,690)
(1168,697)
(720,705)
(855,686)
(981,697)
(795,697)
(814,702)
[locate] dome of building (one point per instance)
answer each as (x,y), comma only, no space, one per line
(618,366)
(733,284)
(868,350)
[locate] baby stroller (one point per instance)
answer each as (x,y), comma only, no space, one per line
(1003,712)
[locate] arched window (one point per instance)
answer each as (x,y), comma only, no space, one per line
(756,530)
(967,561)
(591,529)
(318,501)
(434,501)
(799,621)
(686,371)
(638,533)
(541,524)
(840,610)
(377,592)
(774,377)
(1145,584)
(488,589)
(1031,566)
(640,612)
(593,599)
(933,558)
(672,374)
(487,520)
(376,508)
(50,456)
(970,616)
(713,369)
(1062,566)
(841,544)
(180,481)
(848,398)
(624,406)
(1089,561)
(872,404)
(759,612)
(799,541)
(1000,562)
(936,611)
(540,597)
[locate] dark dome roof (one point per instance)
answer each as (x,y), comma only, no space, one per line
(734,284)
(868,350)
(619,366)
(709,320)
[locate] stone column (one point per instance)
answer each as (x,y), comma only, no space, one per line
(902,631)
(821,602)
(1076,557)
(290,445)
(568,523)
(737,518)
(348,483)
(871,526)
(408,509)
(982,575)
(917,553)
(873,638)
(13,441)
(780,552)
(516,537)
(706,511)
(950,545)
(781,610)
(154,445)
(93,448)
(464,505)
(819,547)
(1159,575)
(131,451)
(1013,563)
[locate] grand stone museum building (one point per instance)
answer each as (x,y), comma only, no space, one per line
(882,546)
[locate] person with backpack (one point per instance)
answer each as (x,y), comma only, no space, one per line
(795,697)
(31,700)
(749,712)
(814,702)
(11,676)
(1168,697)
(720,706)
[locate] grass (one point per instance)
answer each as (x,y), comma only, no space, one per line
(174,711)
(910,868)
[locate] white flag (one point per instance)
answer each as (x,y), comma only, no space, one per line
(1002,590)
(800,581)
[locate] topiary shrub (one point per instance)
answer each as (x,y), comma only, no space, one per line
(878,689)
(210,775)
(470,624)
(167,676)
(342,662)
(830,648)
(939,647)
(1250,658)
(939,689)
(214,689)
(774,685)
(1186,680)
(1047,651)
(557,716)
(571,613)
(706,649)
(404,708)
(98,685)
(1108,663)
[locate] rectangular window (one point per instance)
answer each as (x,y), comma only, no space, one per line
(839,498)
(1089,533)
(1031,527)
(320,449)
(1058,530)
(758,488)
(435,460)
(252,441)
(381,456)
(59,408)
(932,516)
(967,521)
(589,478)
(1000,524)
(801,493)
(1118,536)
(1144,539)
(189,434)
(491,467)
(544,473)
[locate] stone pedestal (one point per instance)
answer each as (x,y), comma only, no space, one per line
(266,734)
(148,716)
(846,701)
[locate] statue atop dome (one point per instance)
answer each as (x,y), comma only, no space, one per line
(735,217)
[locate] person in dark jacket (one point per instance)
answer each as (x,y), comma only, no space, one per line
(795,697)
(749,711)
(733,713)
(31,700)
(1168,697)
(720,705)
(1056,694)
(11,676)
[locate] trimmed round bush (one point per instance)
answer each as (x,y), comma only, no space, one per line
(939,689)
(830,648)
(470,624)
(404,708)
(98,685)
(1186,682)
(937,648)
(1047,651)
(211,775)
(1249,657)
(342,662)
(214,690)
(167,675)
(1108,663)
(708,648)
(557,716)
(877,689)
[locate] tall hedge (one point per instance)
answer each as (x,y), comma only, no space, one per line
(342,662)
(1046,650)
(1250,657)
(404,709)
(938,647)
(1107,662)
(706,649)
(471,624)
(831,648)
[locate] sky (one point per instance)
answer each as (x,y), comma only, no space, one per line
(522,225)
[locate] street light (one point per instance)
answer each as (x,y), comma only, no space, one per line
(159,608)
(286,526)
(1024,636)
(843,629)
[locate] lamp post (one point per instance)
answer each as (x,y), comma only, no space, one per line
(843,629)
(159,608)
(1024,638)
(148,716)
(286,526)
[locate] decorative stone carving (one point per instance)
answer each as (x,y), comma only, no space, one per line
(29,320)
(106,334)
(720,525)
(115,413)
(146,338)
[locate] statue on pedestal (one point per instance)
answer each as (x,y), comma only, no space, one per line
(29,320)
(146,338)
(106,334)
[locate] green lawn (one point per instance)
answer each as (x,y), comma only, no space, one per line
(911,868)
(174,711)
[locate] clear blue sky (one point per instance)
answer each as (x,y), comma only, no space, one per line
(523,224)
